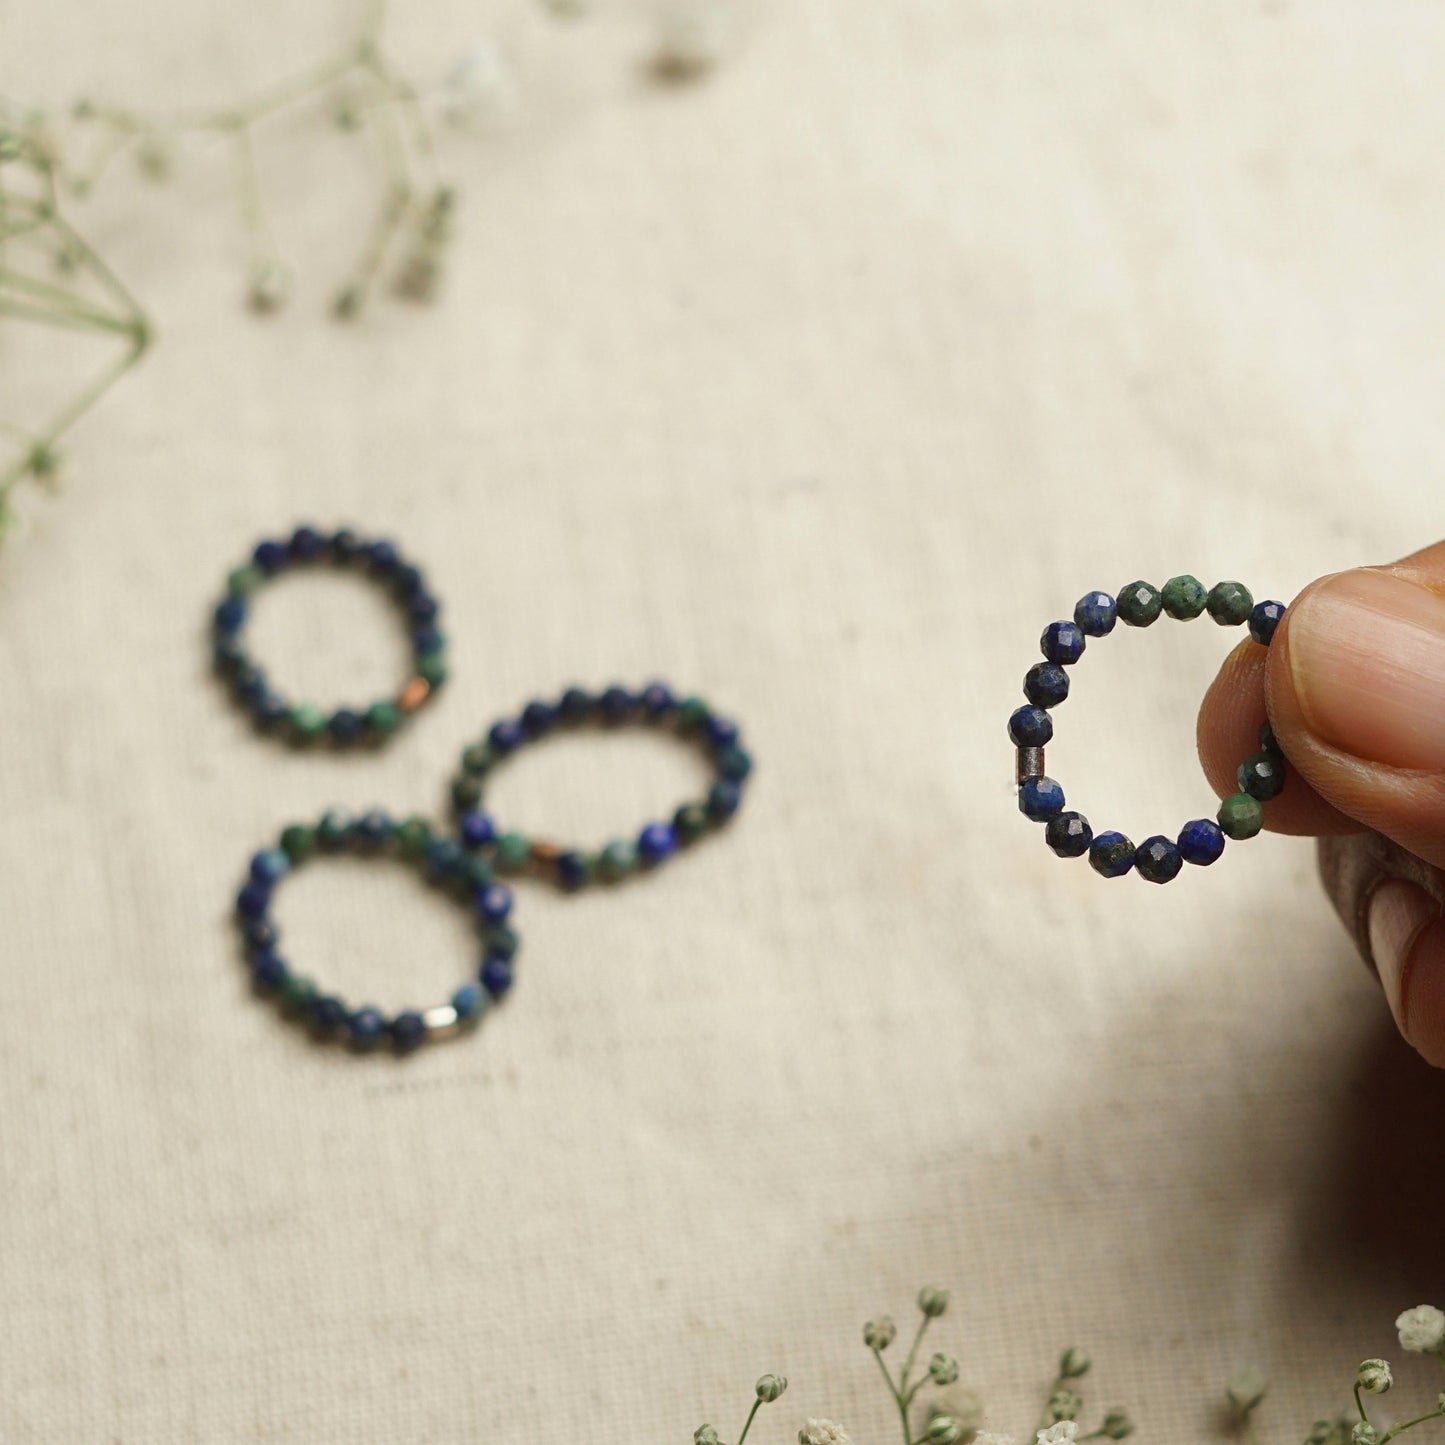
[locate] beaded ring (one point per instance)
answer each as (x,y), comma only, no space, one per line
(468,879)
(573,867)
(305,723)
(1046,684)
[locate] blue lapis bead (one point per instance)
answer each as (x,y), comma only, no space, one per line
(444,856)
(494,902)
(230,614)
(1040,799)
(496,975)
(538,718)
(426,639)
(253,900)
(1046,684)
(467,1001)
(572,871)
(270,708)
(1096,613)
(383,558)
(1111,855)
(408,1031)
(477,830)
(1201,842)
(366,1027)
(423,607)
(1062,642)
(616,704)
(720,732)
(259,933)
(346,725)
(656,843)
(1264,617)
(270,556)
(329,1015)
(345,545)
(407,579)
(269,867)
(576,705)
(374,829)
(268,970)
(1030,727)
(306,544)
(506,735)
(723,800)
(1157,859)
(249,682)
(1069,835)
(658,701)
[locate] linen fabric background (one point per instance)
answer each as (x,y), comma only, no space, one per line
(818,387)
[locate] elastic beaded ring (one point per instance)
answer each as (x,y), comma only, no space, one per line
(1046,684)
(573,867)
(468,879)
(305,723)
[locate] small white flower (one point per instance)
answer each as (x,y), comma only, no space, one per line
(1247,1388)
(823,1432)
(691,39)
(477,89)
(1422,1329)
(1064,1431)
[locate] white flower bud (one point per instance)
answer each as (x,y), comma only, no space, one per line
(1364,1434)
(1422,1329)
(933,1302)
(878,1334)
(1247,1388)
(823,1432)
(770,1387)
(705,1435)
(1074,1364)
(943,1370)
(1374,1376)
(944,1430)
(1117,1425)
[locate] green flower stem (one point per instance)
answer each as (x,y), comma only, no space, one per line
(912,1356)
(1360,1406)
(1410,1424)
(749,1425)
(897,1399)
(1045,1420)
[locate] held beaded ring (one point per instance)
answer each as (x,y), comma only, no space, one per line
(573,867)
(1157,859)
(305,723)
(468,879)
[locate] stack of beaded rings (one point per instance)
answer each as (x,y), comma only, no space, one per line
(1158,859)
(445,862)
(572,867)
(304,722)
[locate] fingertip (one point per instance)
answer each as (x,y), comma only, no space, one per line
(1407,941)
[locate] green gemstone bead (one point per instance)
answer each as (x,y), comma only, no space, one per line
(1184,598)
(1139,604)
(412,836)
(477,872)
(307,722)
(733,764)
(616,861)
(383,718)
(692,713)
(690,820)
(466,793)
(333,830)
(1241,816)
(1230,603)
(502,942)
(477,759)
(298,842)
(244,581)
(513,852)
(433,667)
(297,994)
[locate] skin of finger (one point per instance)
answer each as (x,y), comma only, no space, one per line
(1228,733)
(1404,805)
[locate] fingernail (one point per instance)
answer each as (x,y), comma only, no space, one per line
(1407,942)
(1367,655)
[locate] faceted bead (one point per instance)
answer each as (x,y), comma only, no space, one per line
(229,655)
(1069,835)
(477,830)
(1184,598)
(1267,741)
(423,607)
(1157,859)
(253,900)
(270,867)
(1263,619)
(502,943)
(573,870)
(408,1031)
(1200,842)
(425,639)
(692,713)
(297,994)
(328,1015)
(733,764)
(307,722)
(444,857)
(1262,776)
(538,717)
(1139,604)
(475,872)
(412,837)
(383,558)
(468,1001)
(271,709)
(506,735)
(1111,855)
(345,545)
(478,759)
(1095,613)
(1241,816)
(1030,727)
(496,975)
(656,843)
(345,725)
(230,614)
(1062,642)
(299,841)
(268,971)
(494,902)
(306,544)
(690,822)
(616,861)
(616,704)
(720,732)
(1040,799)
(466,793)
(1230,603)
(244,581)
(514,852)
(374,829)
(383,718)
(658,701)
(407,580)
(270,557)
(723,799)
(1046,684)
(576,705)
(259,933)
(433,668)
(366,1027)
(334,829)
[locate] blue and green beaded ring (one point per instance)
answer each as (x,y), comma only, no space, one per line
(572,867)
(305,723)
(466,878)
(1046,685)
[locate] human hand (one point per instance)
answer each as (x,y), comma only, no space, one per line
(1354,687)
